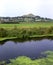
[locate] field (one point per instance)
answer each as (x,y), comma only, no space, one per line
(27,25)
(25,30)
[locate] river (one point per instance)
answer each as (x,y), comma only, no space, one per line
(31,48)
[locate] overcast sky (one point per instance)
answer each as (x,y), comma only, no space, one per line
(13,8)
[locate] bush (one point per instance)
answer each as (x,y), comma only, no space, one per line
(3,32)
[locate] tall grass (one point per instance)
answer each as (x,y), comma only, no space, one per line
(25,32)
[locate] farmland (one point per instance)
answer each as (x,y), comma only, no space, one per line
(27,25)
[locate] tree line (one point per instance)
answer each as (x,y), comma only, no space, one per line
(26,18)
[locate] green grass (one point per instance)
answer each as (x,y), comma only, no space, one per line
(28,25)
(7,38)
(51,35)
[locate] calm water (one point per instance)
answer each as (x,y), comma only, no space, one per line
(31,48)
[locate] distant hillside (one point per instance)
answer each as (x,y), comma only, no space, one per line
(29,15)
(25,18)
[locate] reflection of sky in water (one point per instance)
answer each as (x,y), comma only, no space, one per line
(29,48)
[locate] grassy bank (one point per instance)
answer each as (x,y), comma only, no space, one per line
(27,25)
(26,30)
(48,35)
(35,36)
(7,38)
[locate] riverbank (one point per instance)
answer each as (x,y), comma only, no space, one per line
(35,36)
(7,38)
(48,35)
(31,30)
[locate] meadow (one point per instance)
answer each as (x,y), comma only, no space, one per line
(27,25)
(25,30)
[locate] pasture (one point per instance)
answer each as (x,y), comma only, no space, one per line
(28,25)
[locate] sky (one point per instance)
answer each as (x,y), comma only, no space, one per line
(12,8)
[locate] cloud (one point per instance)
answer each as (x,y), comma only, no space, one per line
(18,7)
(1,7)
(21,7)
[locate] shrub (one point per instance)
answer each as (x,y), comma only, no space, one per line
(3,32)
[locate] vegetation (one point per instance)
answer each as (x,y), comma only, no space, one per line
(27,25)
(9,31)
(23,60)
(24,18)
